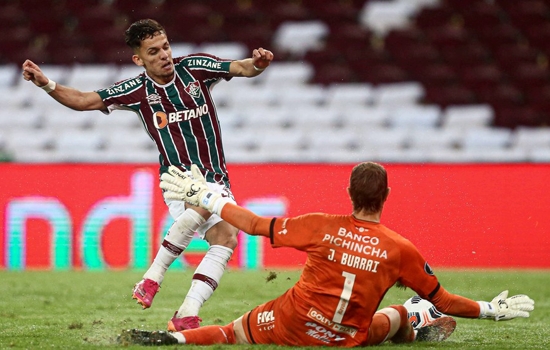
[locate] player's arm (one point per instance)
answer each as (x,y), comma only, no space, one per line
(251,67)
(500,308)
(417,274)
(72,98)
(245,220)
(453,304)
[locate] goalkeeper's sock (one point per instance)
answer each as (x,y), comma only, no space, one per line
(205,280)
(207,335)
(175,242)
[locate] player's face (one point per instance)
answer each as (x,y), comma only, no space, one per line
(155,55)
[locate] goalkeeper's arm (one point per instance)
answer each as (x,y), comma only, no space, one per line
(246,220)
(500,308)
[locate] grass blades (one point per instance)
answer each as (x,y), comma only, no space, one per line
(87,310)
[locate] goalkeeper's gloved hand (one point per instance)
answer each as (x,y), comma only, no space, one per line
(503,308)
(193,190)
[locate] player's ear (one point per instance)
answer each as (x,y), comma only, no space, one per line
(137,60)
(388,190)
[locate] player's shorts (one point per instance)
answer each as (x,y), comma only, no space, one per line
(283,322)
(176,208)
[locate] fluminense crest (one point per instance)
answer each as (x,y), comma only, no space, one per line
(193,89)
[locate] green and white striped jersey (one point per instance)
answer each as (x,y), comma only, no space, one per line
(180,116)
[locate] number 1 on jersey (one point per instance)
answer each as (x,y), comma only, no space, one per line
(344,297)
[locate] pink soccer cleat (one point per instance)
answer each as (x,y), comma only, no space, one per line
(180,324)
(144,292)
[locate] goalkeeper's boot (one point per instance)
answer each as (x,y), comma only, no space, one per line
(140,337)
(177,324)
(437,330)
(144,292)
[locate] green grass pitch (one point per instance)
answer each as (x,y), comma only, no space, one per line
(86,310)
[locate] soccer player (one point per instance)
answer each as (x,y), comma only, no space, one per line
(352,261)
(172,99)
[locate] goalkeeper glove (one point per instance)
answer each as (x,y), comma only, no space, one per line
(504,308)
(193,190)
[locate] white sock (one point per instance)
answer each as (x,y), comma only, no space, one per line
(205,280)
(176,240)
(180,337)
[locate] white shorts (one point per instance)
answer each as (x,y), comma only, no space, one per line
(176,208)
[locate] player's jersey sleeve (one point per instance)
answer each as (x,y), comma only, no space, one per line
(205,67)
(126,94)
(415,272)
(297,232)
(246,220)
(455,305)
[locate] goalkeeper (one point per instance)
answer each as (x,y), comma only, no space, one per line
(335,301)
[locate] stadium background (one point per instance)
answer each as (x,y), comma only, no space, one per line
(452,96)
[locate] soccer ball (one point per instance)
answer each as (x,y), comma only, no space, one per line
(421,312)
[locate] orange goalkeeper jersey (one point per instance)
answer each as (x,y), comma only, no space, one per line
(350,266)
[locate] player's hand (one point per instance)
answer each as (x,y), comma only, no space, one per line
(193,190)
(503,308)
(32,72)
(178,185)
(261,58)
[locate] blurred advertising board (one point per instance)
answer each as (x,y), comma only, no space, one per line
(106,216)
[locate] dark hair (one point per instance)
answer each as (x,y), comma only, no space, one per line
(368,187)
(141,30)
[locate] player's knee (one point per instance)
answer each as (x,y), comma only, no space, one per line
(222,234)
(229,241)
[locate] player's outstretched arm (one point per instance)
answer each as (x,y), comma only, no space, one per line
(69,97)
(251,67)
(503,308)
(500,308)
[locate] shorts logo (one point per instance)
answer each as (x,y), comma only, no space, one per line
(316,315)
(193,89)
(266,317)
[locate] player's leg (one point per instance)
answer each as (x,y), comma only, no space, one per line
(207,335)
(175,242)
(222,238)
(390,323)
(238,329)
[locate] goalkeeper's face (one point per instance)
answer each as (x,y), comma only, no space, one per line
(155,55)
